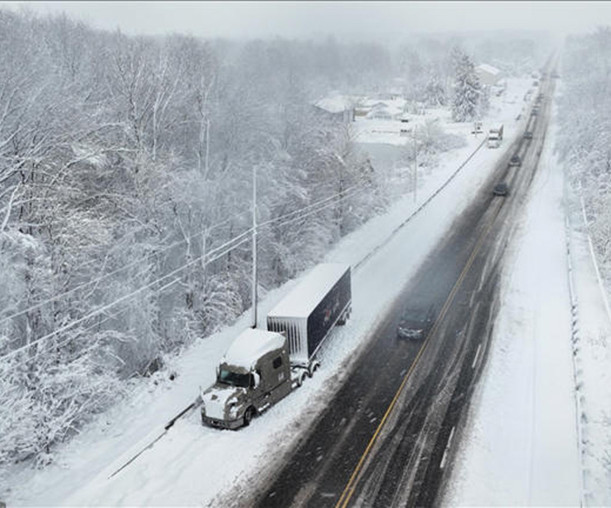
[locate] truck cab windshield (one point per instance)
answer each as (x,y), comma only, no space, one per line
(234,379)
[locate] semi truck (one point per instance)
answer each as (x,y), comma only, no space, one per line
(262,367)
(495,136)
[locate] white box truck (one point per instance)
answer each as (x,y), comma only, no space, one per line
(495,136)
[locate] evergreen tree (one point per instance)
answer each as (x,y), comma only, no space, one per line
(467,91)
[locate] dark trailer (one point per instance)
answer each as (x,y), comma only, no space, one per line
(309,312)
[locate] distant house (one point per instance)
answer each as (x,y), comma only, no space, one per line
(488,75)
(380,111)
(361,110)
(336,107)
(385,109)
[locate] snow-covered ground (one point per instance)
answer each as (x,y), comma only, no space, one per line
(592,358)
(193,464)
(529,440)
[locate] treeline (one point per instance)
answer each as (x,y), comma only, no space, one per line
(126,167)
(584,139)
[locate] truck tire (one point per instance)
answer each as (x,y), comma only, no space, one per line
(248,416)
(313,368)
(345,316)
(301,378)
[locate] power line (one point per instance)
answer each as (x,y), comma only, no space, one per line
(334,196)
(290,217)
(311,212)
(103,308)
(114,272)
(175,244)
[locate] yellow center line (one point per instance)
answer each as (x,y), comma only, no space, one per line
(352,482)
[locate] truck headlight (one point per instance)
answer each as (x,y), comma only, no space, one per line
(232,409)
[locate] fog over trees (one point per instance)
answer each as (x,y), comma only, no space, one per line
(126,168)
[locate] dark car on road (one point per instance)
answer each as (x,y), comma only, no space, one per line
(515,160)
(501,189)
(528,135)
(415,324)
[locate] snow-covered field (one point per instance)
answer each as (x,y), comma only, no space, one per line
(193,465)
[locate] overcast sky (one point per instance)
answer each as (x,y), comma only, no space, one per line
(343,19)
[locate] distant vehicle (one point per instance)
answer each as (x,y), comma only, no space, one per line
(515,160)
(501,189)
(262,367)
(415,324)
(477,128)
(528,135)
(495,136)
(534,112)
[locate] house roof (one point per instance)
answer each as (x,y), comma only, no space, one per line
(489,69)
(335,103)
(391,108)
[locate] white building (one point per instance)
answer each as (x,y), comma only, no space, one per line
(336,106)
(488,75)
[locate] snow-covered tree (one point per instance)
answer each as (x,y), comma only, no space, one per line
(467,91)
(585,131)
(435,94)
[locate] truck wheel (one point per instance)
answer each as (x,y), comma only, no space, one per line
(342,320)
(301,378)
(313,368)
(248,416)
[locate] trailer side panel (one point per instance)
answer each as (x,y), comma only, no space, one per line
(326,314)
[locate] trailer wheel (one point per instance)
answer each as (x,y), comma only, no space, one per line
(342,320)
(301,378)
(248,416)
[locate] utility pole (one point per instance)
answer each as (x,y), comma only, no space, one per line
(254,246)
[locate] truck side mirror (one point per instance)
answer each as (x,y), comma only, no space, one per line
(255,380)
